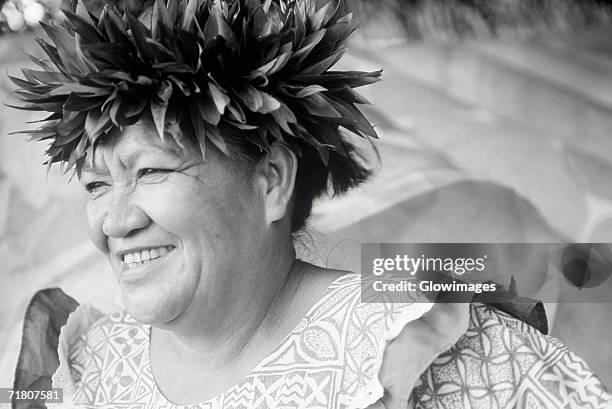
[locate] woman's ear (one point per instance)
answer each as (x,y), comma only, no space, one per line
(276,172)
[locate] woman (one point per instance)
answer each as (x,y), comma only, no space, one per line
(202,132)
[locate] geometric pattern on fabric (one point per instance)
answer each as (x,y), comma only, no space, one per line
(501,362)
(327,359)
(330,358)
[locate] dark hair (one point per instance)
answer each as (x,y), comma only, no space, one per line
(314,178)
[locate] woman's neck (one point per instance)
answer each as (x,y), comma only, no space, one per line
(180,370)
(249,319)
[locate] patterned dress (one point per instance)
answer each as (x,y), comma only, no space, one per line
(332,358)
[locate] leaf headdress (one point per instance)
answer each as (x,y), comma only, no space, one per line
(245,70)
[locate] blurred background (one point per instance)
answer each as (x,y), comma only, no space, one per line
(495,120)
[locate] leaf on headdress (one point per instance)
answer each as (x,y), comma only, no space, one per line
(52,54)
(189,47)
(139,33)
(319,105)
(37,98)
(80,149)
(241,126)
(36,134)
(164,23)
(208,108)
(64,45)
(251,97)
(341,31)
(91,7)
(320,18)
(216,27)
(307,46)
(173,10)
(44,77)
(49,107)
(159,106)
(96,124)
(353,79)
(82,11)
(271,67)
(88,32)
(330,136)
(189,14)
(269,103)
(266,6)
(117,113)
(41,63)
(299,26)
(220,98)
(160,53)
(76,88)
(173,67)
(357,118)
(70,130)
(108,26)
(257,18)
(114,54)
(323,65)
(349,95)
(135,108)
(198,125)
(324,155)
(284,116)
(86,63)
(23,84)
(173,129)
(123,76)
(309,90)
(273,129)
(213,134)
(51,117)
(180,84)
(79,103)
(155,22)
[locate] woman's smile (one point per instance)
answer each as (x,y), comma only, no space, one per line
(138,264)
(138,257)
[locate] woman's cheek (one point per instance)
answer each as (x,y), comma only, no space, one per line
(95,217)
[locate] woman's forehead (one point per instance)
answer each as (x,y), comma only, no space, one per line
(140,140)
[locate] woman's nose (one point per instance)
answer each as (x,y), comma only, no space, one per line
(123,218)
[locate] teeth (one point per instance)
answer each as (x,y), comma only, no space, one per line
(145,256)
(142,257)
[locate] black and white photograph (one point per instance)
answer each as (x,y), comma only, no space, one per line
(306,204)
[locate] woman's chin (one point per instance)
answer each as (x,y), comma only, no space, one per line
(149,310)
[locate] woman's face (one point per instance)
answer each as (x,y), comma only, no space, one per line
(176,228)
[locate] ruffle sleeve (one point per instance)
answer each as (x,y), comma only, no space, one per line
(72,353)
(476,356)
(408,348)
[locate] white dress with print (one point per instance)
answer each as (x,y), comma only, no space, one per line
(329,361)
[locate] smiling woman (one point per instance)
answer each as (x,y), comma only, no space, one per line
(183,234)
(203,131)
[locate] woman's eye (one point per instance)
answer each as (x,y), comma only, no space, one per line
(96,188)
(151,172)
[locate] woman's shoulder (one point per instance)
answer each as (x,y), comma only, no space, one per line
(501,361)
(89,343)
(343,338)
